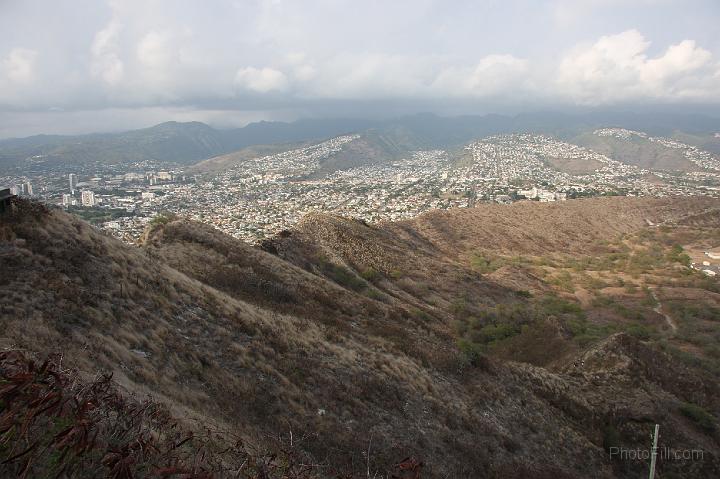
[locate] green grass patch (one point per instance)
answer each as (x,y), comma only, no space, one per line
(343,276)
(370,274)
(495,324)
(703,419)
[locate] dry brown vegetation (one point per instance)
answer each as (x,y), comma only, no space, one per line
(54,424)
(480,341)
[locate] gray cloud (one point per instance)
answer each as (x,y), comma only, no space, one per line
(281,58)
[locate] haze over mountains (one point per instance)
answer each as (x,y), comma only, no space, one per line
(187,143)
(465,338)
(273,239)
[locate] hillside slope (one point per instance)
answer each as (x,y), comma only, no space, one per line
(167,142)
(345,333)
(187,143)
(637,150)
(368,148)
(170,142)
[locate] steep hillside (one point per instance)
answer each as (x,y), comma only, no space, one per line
(637,150)
(115,307)
(527,227)
(187,143)
(222,162)
(370,342)
(519,228)
(173,142)
(59,424)
(708,142)
(169,142)
(370,147)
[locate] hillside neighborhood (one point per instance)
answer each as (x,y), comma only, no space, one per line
(265,194)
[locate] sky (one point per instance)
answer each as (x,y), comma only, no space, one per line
(75,66)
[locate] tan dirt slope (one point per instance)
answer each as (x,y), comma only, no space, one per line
(342,331)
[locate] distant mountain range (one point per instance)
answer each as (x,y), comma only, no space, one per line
(188,143)
(173,142)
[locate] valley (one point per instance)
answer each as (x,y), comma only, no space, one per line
(377,175)
(360,240)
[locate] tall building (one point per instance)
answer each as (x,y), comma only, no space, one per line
(87,198)
(73,182)
(67,200)
(26,189)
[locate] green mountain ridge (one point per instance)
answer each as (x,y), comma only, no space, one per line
(188,143)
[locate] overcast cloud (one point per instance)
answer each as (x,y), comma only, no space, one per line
(82,65)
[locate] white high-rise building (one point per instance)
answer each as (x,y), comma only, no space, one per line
(87,198)
(27,189)
(73,182)
(67,200)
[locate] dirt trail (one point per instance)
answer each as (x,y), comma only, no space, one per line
(658,309)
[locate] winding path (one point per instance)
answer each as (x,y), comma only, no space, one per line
(658,309)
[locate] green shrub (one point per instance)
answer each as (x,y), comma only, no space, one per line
(163,218)
(678,255)
(375,294)
(458,306)
(584,332)
(483,264)
(370,274)
(631,288)
(491,325)
(593,283)
(552,305)
(564,281)
(646,260)
(494,332)
(692,313)
(703,419)
(640,331)
(628,312)
(649,299)
(343,276)
(472,354)
(460,327)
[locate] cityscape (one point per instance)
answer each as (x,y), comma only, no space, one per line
(262,196)
(268,239)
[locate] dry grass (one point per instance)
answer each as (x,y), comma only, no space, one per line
(260,343)
(55,424)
